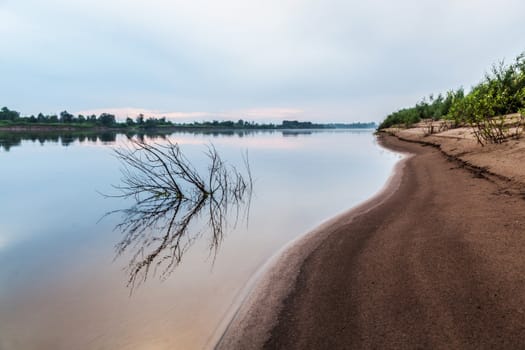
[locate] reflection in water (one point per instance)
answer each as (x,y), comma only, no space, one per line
(9,139)
(13,139)
(66,138)
(296,132)
(58,287)
(169,193)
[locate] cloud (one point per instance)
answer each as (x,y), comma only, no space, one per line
(241,55)
(131,112)
(3,242)
(260,114)
(271,113)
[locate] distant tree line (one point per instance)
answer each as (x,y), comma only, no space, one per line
(107,120)
(10,117)
(501,92)
(285,124)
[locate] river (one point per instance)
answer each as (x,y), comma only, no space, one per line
(62,285)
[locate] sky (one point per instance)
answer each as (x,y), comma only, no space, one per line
(262,60)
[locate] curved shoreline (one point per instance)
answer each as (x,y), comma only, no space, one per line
(436,260)
(256,311)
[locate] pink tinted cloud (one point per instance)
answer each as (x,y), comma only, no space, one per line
(247,114)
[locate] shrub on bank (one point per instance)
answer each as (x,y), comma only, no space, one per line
(500,93)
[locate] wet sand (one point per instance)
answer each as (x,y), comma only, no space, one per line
(437,260)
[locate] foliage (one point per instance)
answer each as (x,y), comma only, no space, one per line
(500,93)
(7,114)
(285,124)
(434,108)
(107,120)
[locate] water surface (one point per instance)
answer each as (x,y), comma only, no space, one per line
(60,286)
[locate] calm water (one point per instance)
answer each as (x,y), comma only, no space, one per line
(60,284)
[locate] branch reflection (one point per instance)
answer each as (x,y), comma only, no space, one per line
(169,194)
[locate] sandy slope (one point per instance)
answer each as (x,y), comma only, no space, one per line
(505,159)
(437,261)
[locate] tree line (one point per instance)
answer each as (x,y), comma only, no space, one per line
(285,124)
(107,120)
(11,117)
(501,92)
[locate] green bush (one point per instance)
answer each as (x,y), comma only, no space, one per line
(501,92)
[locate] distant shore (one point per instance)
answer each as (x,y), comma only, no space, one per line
(11,120)
(14,135)
(437,260)
(59,128)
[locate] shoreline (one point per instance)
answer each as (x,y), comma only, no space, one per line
(254,313)
(436,227)
(172,128)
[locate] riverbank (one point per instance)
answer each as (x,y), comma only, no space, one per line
(46,128)
(500,160)
(435,260)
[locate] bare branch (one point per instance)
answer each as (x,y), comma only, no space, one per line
(169,194)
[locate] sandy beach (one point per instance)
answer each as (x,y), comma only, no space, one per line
(436,260)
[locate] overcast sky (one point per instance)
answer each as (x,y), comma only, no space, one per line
(321,60)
